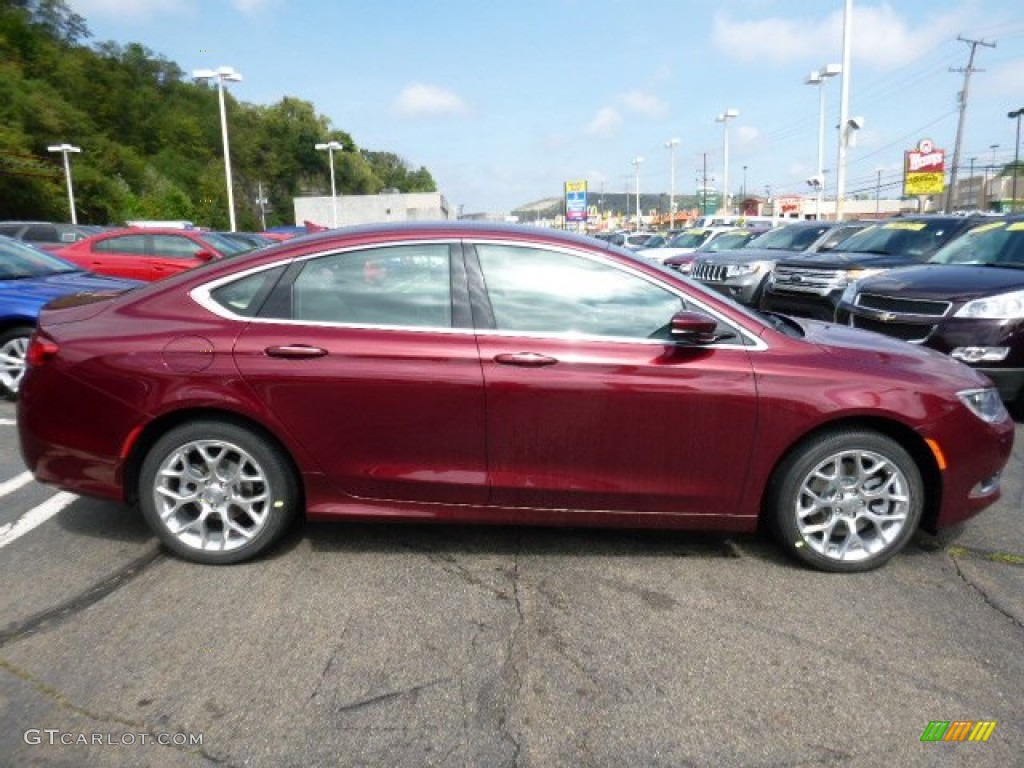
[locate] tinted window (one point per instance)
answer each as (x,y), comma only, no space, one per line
(404,286)
(175,247)
(41,233)
(244,296)
(134,244)
(539,291)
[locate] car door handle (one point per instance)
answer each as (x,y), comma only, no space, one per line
(295,351)
(525,359)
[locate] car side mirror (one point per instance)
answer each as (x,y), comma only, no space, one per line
(693,328)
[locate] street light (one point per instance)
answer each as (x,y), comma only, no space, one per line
(331,147)
(636,162)
(724,119)
(1016,156)
(220,75)
(66,149)
(818,78)
(671,145)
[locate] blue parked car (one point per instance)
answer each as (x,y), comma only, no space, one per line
(29,278)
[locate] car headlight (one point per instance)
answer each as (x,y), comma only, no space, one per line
(984,403)
(1005,306)
(741,270)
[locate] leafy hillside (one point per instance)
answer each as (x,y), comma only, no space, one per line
(150,137)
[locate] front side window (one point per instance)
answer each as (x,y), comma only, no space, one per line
(533,290)
(175,247)
(401,286)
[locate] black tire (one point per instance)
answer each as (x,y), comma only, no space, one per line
(13,346)
(851,522)
(217,493)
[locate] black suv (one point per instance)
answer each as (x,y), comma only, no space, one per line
(810,284)
(966,301)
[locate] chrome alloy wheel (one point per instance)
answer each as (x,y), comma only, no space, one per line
(13,349)
(852,505)
(212,495)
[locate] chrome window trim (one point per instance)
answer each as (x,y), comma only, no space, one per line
(201,294)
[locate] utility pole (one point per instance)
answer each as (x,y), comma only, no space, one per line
(968,70)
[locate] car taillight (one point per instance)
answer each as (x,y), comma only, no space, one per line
(40,349)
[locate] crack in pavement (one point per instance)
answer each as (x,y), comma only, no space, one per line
(953,555)
(63,702)
(61,612)
(414,690)
(511,670)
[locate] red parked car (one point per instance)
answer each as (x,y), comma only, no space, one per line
(496,374)
(147,253)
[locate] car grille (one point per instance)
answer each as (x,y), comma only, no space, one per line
(900,306)
(915,332)
(708,272)
(807,280)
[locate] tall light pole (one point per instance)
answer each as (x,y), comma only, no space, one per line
(220,75)
(636,162)
(724,119)
(818,78)
(844,109)
(331,147)
(671,145)
(1016,156)
(66,149)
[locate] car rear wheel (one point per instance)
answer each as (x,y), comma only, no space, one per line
(847,501)
(217,493)
(13,347)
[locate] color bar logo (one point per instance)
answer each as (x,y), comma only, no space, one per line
(958,730)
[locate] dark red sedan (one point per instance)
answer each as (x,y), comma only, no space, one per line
(148,253)
(503,375)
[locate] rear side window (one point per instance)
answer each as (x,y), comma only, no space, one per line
(245,296)
(41,233)
(405,286)
(135,244)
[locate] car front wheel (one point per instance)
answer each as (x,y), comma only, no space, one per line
(847,501)
(13,348)
(217,493)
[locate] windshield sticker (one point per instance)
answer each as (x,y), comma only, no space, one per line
(1017,226)
(916,226)
(987,227)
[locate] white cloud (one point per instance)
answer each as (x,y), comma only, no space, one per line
(423,100)
(644,103)
(606,123)
(882,37)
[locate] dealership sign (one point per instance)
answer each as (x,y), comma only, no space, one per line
(924,170)
(575,201)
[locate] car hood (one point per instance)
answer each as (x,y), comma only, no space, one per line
(950,282)
(745,255)
(890,356)
(43,289)
(847,260)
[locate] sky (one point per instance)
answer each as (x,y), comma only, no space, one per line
(503,102)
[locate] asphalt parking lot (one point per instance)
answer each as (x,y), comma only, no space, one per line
(409,645)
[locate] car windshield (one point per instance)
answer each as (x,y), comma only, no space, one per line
(915,239)
(728,240)
(998,244)
(791,238)
(691,238)
(18,261)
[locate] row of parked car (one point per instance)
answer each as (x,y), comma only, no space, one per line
(952,283)
(42,261)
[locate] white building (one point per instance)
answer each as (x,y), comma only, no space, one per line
(371,209)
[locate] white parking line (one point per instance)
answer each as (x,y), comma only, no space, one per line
(35,517)
(16,482)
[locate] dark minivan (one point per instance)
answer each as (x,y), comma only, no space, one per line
(810,285)
(966,301)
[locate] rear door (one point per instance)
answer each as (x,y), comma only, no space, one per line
(368,358)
